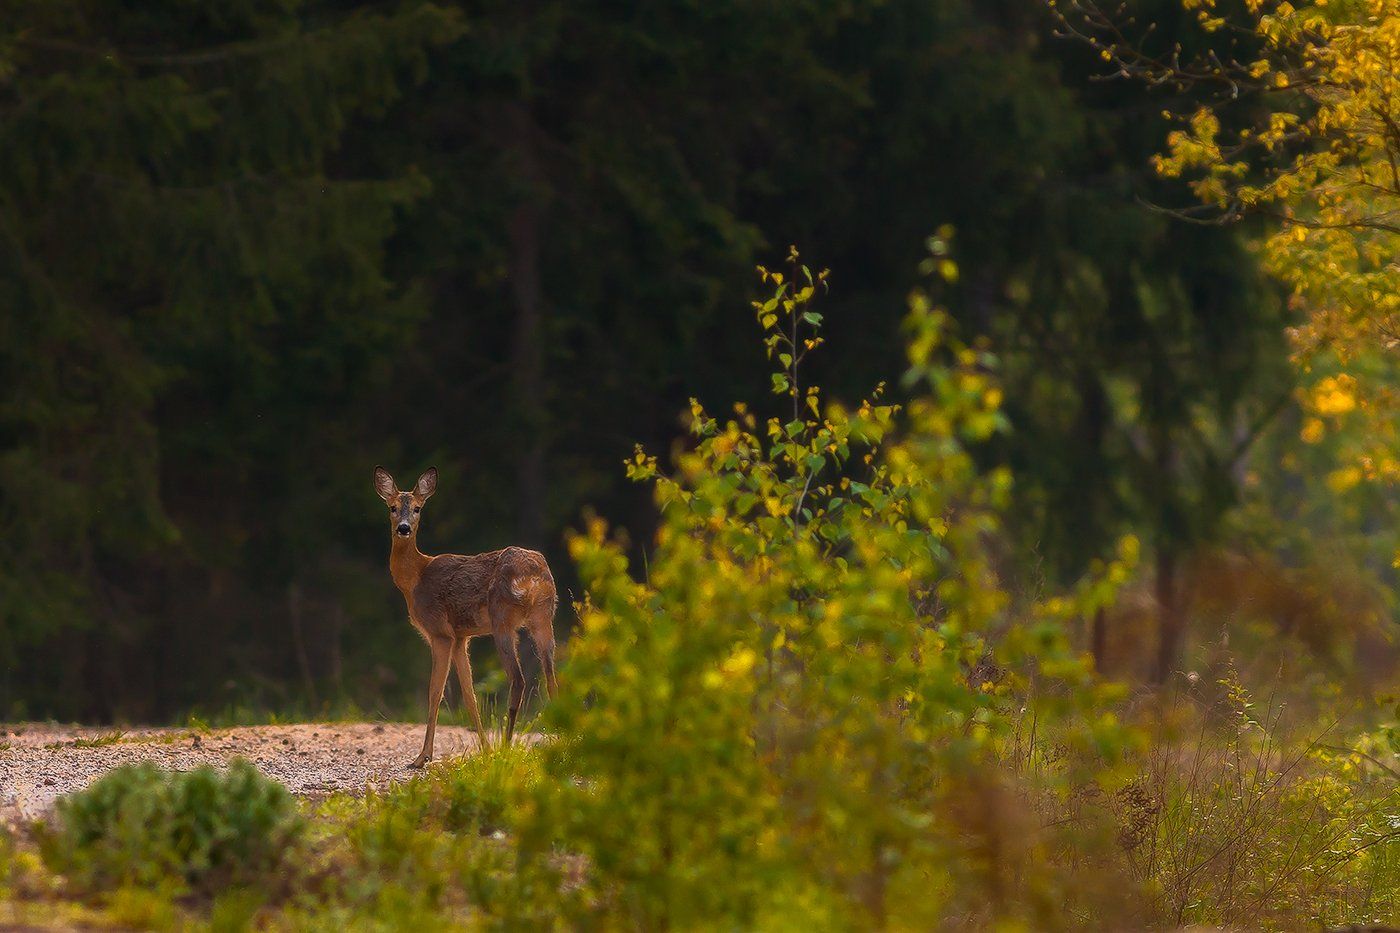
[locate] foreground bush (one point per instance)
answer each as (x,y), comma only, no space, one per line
(203,830)
(775,724)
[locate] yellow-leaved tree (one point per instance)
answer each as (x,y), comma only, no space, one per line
(1300,123)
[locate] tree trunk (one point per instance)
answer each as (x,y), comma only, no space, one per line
(299,643)
(1099,640)
(1170,624)
(527,356)
(337,656)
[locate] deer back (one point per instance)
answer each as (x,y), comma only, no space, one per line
(460,591)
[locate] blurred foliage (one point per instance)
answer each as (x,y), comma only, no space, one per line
(201,830)
(191,292)
(1295,123)
(250,250)
(818,644)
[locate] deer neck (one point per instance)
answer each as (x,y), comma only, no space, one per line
(406,562)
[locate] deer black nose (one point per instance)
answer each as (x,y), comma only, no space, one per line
(403,528)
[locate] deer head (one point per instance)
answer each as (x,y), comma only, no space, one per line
(404,507)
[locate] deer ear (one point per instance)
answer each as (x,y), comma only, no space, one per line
(427,484)
(384,484)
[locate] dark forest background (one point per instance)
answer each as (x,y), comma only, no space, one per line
(250,249)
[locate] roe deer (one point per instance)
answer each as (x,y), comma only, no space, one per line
(453,598)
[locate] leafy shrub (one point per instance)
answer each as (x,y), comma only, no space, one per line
(764,727)
(203,830)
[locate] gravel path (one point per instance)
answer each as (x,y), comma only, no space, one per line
(39,763)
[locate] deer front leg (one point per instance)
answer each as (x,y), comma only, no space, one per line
(461,660)
(442,661)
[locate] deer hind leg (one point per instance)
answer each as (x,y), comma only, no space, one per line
(442,663)
(507,646)
(541,629)
(461,659)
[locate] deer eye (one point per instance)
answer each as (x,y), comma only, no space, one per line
(393,508)
(417,509)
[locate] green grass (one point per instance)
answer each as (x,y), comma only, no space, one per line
(120,737)
(98,741)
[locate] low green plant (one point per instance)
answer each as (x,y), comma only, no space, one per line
(234,910)
(96,741)
(478,793)
(136,907)
(438,847)
(398,833)
(202,830)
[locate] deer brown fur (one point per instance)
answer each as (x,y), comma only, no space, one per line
(453,598)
